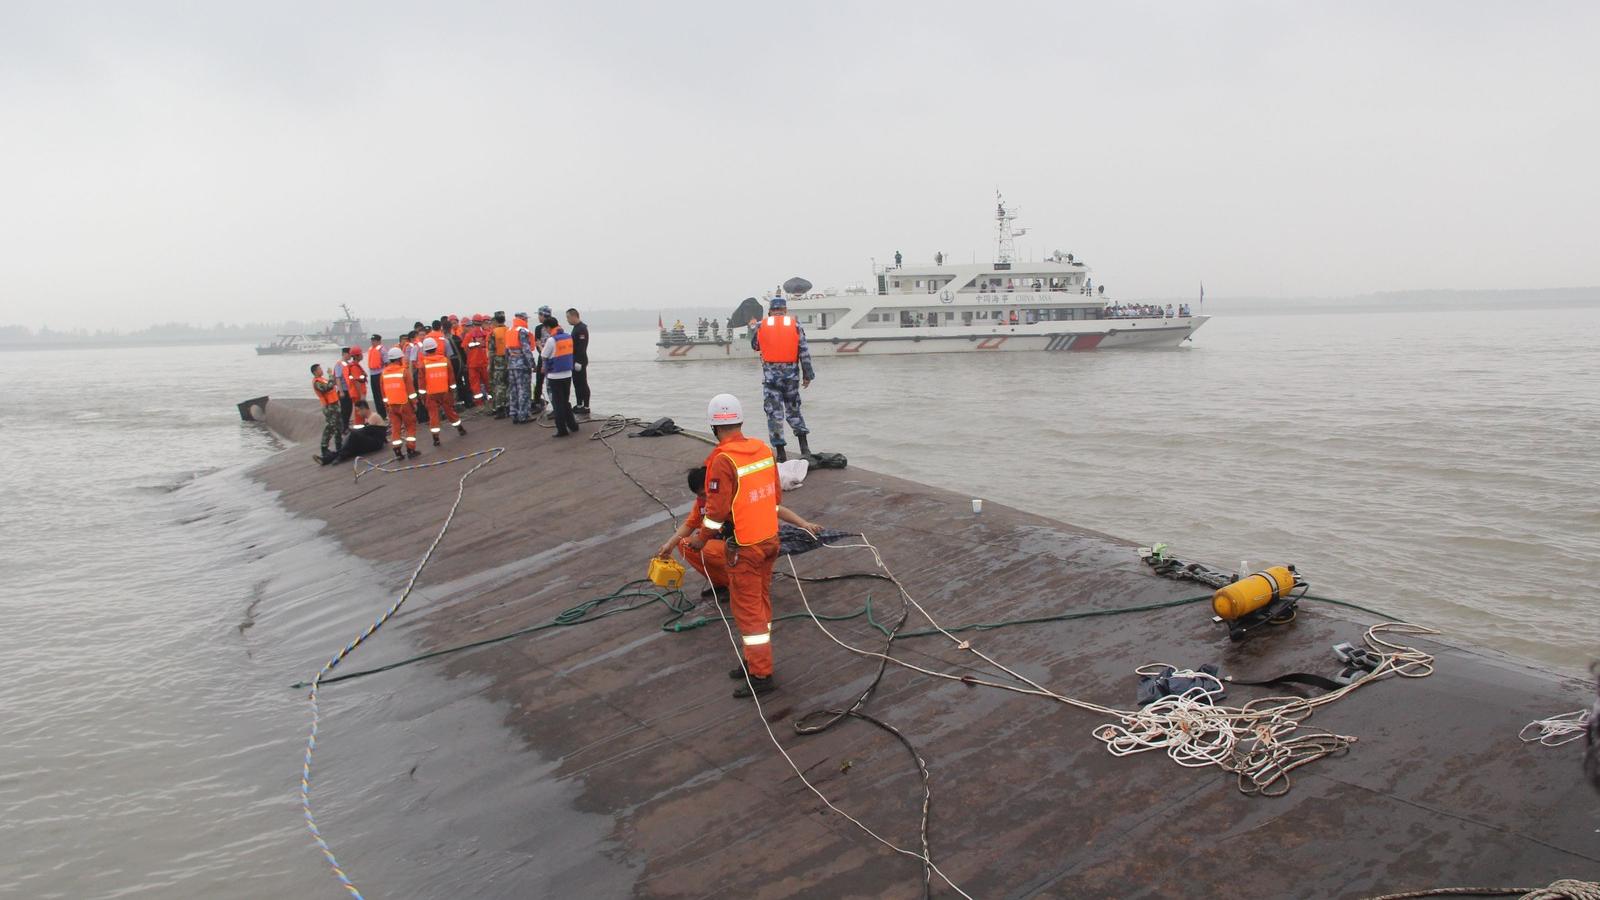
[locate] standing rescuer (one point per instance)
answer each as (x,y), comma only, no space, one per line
(580,361)
(477,345)
(519,365)
(742,496)
(785,369)
(556,367)
(376,355)
(400,392)
(439,389)
(499,377)
(328,393)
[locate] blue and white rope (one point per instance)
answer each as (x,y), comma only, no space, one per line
(316,712)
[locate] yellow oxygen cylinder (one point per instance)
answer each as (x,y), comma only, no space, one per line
(1247,595)
(666,574)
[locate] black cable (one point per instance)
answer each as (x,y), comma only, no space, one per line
(820,720)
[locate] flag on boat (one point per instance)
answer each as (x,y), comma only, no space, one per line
(1202,293)
(662,324)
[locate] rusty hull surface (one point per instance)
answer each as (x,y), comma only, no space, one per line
(1438,790)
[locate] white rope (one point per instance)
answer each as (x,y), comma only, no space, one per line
(1557,730)
(738,653)
(1260,741)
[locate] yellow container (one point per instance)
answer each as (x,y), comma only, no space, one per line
(1247,595)
(666,573)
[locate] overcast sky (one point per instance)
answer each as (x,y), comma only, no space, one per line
(264,161)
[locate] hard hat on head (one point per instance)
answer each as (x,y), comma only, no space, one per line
(395,354)
(778,302)
(725,410)
(430,344)
(520,315)
(544,311)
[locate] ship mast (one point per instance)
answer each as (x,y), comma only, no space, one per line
(1006,245)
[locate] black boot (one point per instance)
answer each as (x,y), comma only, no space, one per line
(461,429)
(436,440)
(804,450)
(413,452)
(399,453)
(777,451)
(737,674)
(760,686)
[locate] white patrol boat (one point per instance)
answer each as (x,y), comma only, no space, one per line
(946,308)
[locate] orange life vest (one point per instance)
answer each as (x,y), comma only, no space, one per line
(755,492)
(499,340)
(396,384)
(438,338)
(436,373)
(329,397)
(779,338)
(514,334)
(375,358)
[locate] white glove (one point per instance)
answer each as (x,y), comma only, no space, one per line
(577,367)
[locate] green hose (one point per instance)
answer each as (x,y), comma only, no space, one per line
(680,606)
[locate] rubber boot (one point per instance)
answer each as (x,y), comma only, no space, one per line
(737,674)
(413,453)
(804,450)
(399,453)
(461,430)
(436,440)
(777,451)
(760,685)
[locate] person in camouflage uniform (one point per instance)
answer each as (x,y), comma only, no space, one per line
(327,392)
(519,361)
(781,381)
(499,376)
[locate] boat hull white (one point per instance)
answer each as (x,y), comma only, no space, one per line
(1106,334)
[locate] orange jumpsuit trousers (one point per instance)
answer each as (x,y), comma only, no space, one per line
(441,408)
(750,584)
(478,379)
(715,567)
(402,424)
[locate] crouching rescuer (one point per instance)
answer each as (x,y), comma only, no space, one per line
(741,508)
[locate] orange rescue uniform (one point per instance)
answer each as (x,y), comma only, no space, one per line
(742,491)
(715,565)
(438,385)
(401,396)
(477,341)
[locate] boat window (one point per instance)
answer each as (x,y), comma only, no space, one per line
(919,282)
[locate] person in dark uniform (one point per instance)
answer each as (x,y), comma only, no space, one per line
(580,361)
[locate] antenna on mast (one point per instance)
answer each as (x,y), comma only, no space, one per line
(1006,245)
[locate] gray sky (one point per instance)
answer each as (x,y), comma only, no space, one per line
(206,161)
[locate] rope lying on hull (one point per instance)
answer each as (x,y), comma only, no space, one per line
(315,684)
(1562,889)
(1261,742)
(1557,730)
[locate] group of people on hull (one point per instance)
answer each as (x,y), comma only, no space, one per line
(731,534)
(434,371)
(1147,310)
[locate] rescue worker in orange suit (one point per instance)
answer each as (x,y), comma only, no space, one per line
(377,354)
(328,393)
(355,379)
(742,496)
(438,389)
(477,345)
(400,392)
(712,560)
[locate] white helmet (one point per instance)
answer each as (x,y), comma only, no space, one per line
(725,410)
(430,344)
(395,354)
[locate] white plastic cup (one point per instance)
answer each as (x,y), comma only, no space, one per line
(977,506)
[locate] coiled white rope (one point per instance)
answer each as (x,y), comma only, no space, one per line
(1260,741)
(1557,730)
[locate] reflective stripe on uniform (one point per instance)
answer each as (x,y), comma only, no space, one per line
(711,524)
(756,466)
(756,640)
